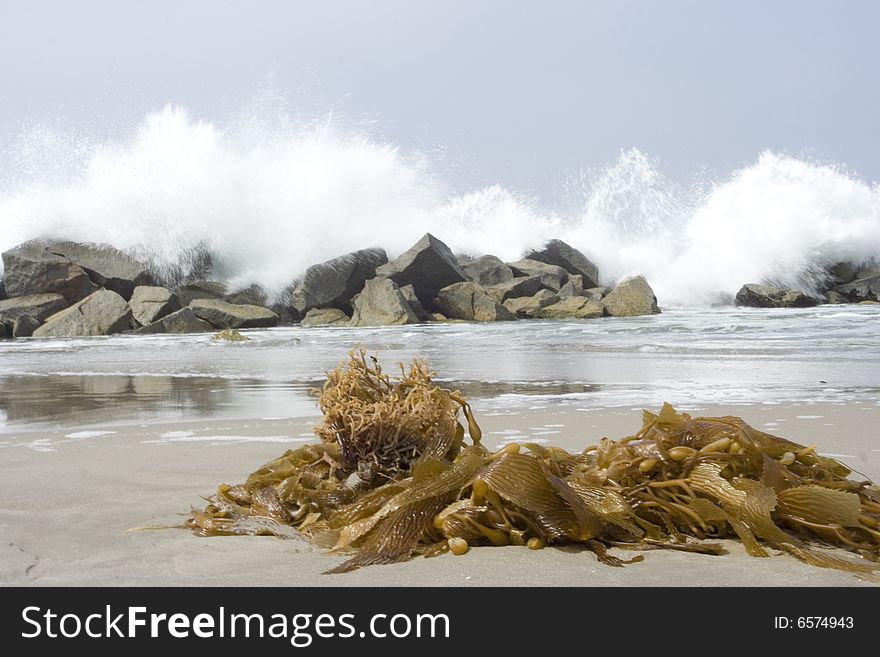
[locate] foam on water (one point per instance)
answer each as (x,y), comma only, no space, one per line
(270,197)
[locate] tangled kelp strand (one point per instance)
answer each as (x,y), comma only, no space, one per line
(393,479)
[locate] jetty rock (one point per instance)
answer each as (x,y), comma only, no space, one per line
(325,317)
(181,321)
(521,286)
(866,287)
(252,295)
(38,306)
(487,270)
(528,307)
(553,277)
(203,289)
(471,302)
(151,303)
(557,252)
(334,283)
(224,315)
(754,295)
(429,266)
(381,303)
(631,297)
(106,266)
(32,268)
(102,313)
(571,308)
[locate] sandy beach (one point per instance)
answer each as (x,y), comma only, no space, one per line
(71,495)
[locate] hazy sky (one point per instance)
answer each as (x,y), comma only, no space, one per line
(518,92)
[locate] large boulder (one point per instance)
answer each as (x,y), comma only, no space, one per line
(573,288)
(557,252)
(102,313)
(325,317)
(470,302)
(150,303)
(487,270)
(189,292)
(865,288)
(333,283)
(252,295)
(223,315)
(632,297)
(553,277)
(428,266)
(31,268)
(3,294)
(527,307)
(409,294)
(24,326)
(181,321)
(381,303)
(106,265)
(765,296)
(38,306)
(522,286)
(839,273)
(571,308)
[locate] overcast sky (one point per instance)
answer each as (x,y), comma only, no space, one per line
(518,92)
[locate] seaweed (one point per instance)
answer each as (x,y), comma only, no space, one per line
(393,478)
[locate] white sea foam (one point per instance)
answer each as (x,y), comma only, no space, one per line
(269,198)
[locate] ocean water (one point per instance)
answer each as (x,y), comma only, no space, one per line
(689,357)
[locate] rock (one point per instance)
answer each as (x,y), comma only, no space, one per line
(527,307)
(867,272)
(24,326)
(3,295)
(381,303)
(869,303)
(193,290)
(598,293)
(230,335)
(428,266)
(765,296)
(571,308)
(333,284)
(409,294)
(861,289)
(438,317)
(487,270)
(253,295)
(632,297)
(835,297)
(150,304)
(38,306)
(839,273)
(552,277)
(31,268)
(102,313)
(221,314)
(557,252)
(182,321)
(571,289)
(325,317)
(523,286)
(471,302)
(106,265)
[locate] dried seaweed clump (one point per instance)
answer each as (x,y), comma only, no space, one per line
(393,479)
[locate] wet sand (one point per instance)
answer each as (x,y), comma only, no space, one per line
(69,496)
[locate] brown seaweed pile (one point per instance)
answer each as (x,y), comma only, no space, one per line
(393,478)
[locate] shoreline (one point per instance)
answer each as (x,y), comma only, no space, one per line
(65,514)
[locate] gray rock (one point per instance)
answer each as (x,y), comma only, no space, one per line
(409,294)
(571,289)
(428,266)
(835,297)
(596,293)
(438,317)
(106,265)
(527,307)
(5,333)
(765,296)
(557,252)
(31,268)
(333,284)
(325,317)
(571,308)
(150,304)
(839,273)
(381,303)
(189,292)
(867,272)
(632,297)
(862,289)
(523,286)
(3,295)
(222,315)
(38,306)
(487,270)
(471,302)
(553,277)
(24,326)
(252,295)
(102,313)
(182,321)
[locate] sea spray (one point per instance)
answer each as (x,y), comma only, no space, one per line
(269,198)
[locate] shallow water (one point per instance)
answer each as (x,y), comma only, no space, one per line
(688,357)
